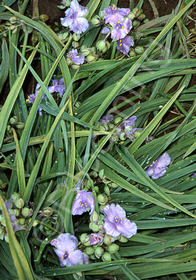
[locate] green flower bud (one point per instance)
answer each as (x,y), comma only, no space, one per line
(20,125)
(141,17)
(102,199)
(101,45)
(99,252)
(84,50)
(107,240)
(117,120)
(106,257)
(14,120)
(94,227)
(75,66)
(89,250)
(63,36)
(122,136)
(146,20)
(17,212)
(69,61)
(101,173)
(94,217)
(9,129)
(122,239)
(131,16)
(84,237)
(76,37)
(75,44)
(35,223)
(132,53)
(129,128)
(139,50)
(13,20)
(96,188)
(2,221)
(47,211)
(94,174)
(6,238)
(113,248)
(136,23)
(107,190)
(111,125)
(114,185)
(137,133)
(135,10)
(26,211)
(1,235)
(96,20)
(91,58)
(19,203)
(22,221)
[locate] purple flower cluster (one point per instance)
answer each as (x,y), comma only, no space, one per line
(120,26)
(74,18)
(75,57)
(66,249)
(116,222)
(31,98)
(83,202)
(128,127)
(158,167)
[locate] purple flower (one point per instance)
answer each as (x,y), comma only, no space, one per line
(158,167)
(116,222)
(121,27)
(105,30)
(74,18)
(83,202)
(124,44)
(65,248)
(193,175)
(75,57)
(106,119)
(112,11)
(31,98)
(96,238)
(58,86)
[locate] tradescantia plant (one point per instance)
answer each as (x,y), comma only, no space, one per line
(97,169)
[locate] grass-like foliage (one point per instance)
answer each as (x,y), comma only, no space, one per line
(102,147)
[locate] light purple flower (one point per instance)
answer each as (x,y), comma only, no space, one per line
(121,27)
(112,11)
(65,248)
(158,167)
(124,44)
(106,119)
(116,222)
(58,86)
(74,18)
(193,175)
(31,98)
(96,238)
(105,30)
(75,57)
(83,202)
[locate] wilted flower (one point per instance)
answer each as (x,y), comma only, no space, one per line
(116,222)
(121,27)
(106,119)
(83,202)
(96,238)
(58,86)
(31,98)
(158,167)
(74,18)
(75,57)
(124,44)
(112,11)
(65,248)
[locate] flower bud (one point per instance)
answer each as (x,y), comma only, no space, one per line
(96,188)
(146,20)
(122,239)
(117,120)
(25,212)
(106,257)
(91,58)
(139,50)
(75,44)
(2,221)
(19,203)
(101,14)
(17,212)
(69,61)
(94,174)
(132,53)
(122,136)
(141,17)
(101,45)
(13,20)
(75,66)
(14,120)
(101,173)
(136,23)
(107,240)
(137,133)
(113,248)
(35,223)
(131,16)
(63,36)
(99,252)
(96,20)
(84,237)
(20,125)
(9,129)
(107,190)
(102,199)
(89,250)
(6,238)
(94,227)
(76,37)
(94,217)
(84,50)
(22,221)
(47,211)
(114,185)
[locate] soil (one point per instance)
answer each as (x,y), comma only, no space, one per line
(49,8)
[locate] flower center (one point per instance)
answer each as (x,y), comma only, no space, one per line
(118,220)
(83,205)
(119,25)
(153,163)
(65,256)
(113,7)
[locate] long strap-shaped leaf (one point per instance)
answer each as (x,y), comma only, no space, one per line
(20,261)
(35,170)
(135,67)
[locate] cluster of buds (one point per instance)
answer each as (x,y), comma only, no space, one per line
(19,215)
(137,16)
(14,123)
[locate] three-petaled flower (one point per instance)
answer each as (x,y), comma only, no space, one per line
(75,57)
(83,202)
(121,27)
(74,18)
(158,167)
(58,86)
(116,222)
(96,238)
(124,44)
(113,11)
(65,248)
